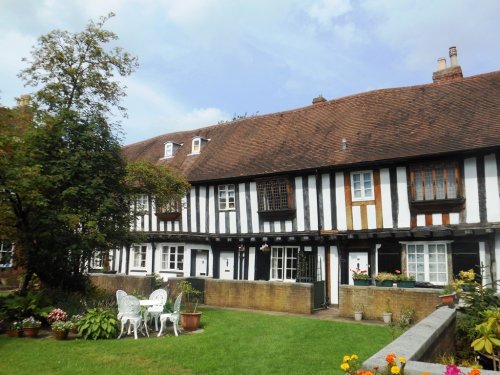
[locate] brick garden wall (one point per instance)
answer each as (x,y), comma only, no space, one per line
(257,295)
(373,298)
(141,284)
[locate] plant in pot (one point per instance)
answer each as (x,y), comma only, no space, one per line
(360,277)
(60,329)
(387,315)
(31,326)
(358,311)
(385,279)
(15,329)
(404,280)
(447,296)
(190,318)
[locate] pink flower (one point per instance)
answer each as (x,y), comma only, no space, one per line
(452,370)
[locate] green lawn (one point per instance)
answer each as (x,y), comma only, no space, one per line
(233,342)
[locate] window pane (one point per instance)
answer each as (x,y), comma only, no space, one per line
(429,191)
(451,184)
(418,185)
(439,184)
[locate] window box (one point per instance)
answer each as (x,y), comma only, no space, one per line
(406,283)
(286,214)
(438,206)
(169,216)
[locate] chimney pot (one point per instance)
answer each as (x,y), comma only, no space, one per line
(319,99)
(441,64)
(453,56)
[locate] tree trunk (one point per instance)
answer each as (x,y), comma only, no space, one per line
(26,281)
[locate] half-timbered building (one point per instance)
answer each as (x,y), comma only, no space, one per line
(404,178)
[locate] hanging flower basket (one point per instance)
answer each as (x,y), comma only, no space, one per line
(265,248)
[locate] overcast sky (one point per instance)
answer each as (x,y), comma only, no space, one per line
(203,61)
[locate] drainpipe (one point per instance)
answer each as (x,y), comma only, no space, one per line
(153,251)
(127,259)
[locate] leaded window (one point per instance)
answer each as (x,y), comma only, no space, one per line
(274,194)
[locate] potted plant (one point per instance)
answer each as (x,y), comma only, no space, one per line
(190,318)
(75,319)
(15,329)
(57,314)
(31,326)
(387,315)
(404,280)
(385,279)
(361,277)
(358,311)
(61,328)
(265,248)
(448,295)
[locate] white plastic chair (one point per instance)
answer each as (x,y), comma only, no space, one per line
(156,310)
(173,316)
(129,310)
(119,294)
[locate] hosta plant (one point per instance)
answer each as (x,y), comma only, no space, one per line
(98,323)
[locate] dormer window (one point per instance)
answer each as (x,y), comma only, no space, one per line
(197,145)
(170,149)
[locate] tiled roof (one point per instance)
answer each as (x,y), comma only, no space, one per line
(379,125)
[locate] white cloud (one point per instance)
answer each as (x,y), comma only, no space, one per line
(325,11)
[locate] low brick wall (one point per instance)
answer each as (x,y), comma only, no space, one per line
(112,282)
(425,341)
(257,295)
(260,295)
(374,298)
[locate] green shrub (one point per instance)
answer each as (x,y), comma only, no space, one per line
(98,323)
(15,306)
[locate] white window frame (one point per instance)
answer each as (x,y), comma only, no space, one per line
(364,196)
(142,203)
(96,262)
(7,251)
(172,254)
(140,256)
(196,146)
(426,253)
(280,269)
(227,197)
(169,150)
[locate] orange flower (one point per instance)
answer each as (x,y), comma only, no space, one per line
(425,373)
(390,358)
(474,372)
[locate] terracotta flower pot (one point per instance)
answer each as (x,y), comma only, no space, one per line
(60,335)
(14,332)
(447,299)
(190,321)
(31,331)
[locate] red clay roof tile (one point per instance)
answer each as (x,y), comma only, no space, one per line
(379,125)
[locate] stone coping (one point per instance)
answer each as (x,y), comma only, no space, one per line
(415,342)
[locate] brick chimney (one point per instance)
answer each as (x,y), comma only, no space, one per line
(444,73)
(319,99)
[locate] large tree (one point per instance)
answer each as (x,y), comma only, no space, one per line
(64,186)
